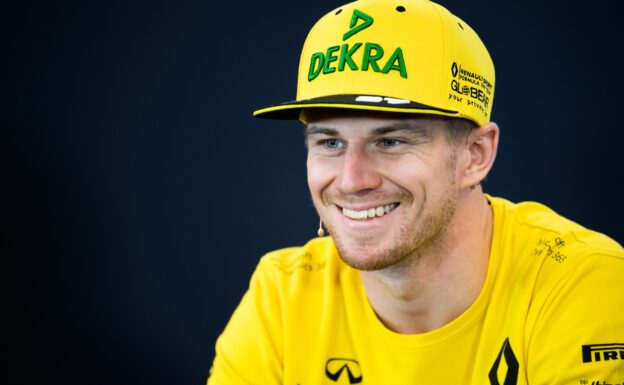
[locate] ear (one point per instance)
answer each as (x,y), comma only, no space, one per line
(481,151)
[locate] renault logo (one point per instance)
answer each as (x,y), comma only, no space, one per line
(511,376)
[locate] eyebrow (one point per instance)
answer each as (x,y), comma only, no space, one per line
(319,130)
(416,128)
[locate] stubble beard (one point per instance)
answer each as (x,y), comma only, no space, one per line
(424,233)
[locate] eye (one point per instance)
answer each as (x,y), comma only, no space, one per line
(333,143)
(390,142)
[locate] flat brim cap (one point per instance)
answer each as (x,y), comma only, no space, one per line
(292,110)
(410,56)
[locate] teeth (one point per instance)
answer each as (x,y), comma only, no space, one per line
(370,213)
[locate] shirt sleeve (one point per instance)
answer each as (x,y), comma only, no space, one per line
(578,337)
(249,351)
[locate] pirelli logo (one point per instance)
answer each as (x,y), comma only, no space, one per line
(602,352)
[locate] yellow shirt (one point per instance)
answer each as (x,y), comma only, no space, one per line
(551,311)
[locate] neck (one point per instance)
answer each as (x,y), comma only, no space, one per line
(432,287)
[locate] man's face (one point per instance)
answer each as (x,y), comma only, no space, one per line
(383,184)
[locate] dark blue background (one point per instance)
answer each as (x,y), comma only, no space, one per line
(138,192)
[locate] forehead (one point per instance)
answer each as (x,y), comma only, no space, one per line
(363,120)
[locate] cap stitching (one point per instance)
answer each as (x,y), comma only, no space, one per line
(444,52)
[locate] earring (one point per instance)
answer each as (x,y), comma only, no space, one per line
(320,231)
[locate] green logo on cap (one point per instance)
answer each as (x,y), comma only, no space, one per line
(371,54)
(367,21)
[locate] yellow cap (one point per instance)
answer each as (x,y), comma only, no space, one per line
(410,56)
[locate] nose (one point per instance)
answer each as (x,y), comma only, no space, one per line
(358,172)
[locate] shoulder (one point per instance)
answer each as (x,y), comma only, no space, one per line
(560,261)
(568,278)
(312,256)
(546,232)
(312,264)
(567,274)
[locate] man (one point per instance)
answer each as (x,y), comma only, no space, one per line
(425,279)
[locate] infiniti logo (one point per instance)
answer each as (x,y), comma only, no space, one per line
(336,366)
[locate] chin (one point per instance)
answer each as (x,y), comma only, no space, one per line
(368,258)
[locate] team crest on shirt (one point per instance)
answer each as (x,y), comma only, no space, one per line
(509,376)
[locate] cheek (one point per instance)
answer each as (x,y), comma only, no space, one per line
(410,175)
(418,180)
(319,174)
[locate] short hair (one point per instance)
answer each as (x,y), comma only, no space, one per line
(458,130)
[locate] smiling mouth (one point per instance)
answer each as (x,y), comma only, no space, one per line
(373,212)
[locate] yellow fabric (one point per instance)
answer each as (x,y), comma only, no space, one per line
(552,286)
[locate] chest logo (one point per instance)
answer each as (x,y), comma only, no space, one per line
(602,352)
(335,367)
(510,376)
